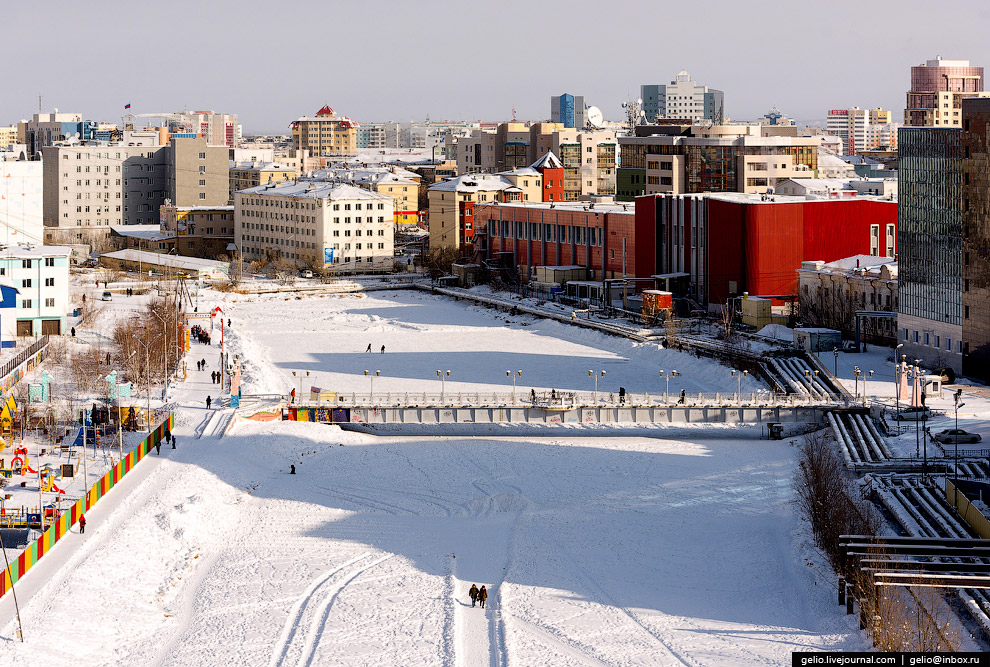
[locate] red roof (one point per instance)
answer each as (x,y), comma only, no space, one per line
(325,111)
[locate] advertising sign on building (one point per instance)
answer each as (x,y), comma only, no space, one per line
(327,256)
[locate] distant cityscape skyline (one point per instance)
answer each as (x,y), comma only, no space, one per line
(787,60)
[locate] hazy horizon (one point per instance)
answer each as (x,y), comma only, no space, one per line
(405,61)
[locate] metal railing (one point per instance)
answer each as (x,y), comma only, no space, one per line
(11,364)
(560,400)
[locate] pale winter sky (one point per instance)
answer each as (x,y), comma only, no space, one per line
(271,62)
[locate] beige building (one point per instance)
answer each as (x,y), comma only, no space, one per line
(316,224)
(453,202)
(396,182)
(198,173)
(8,136)
(326,133)
(830,294)
(251,174)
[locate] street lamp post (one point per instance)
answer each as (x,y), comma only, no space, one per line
(667,378)
(371,378)
(897,386)
(955,438)
(592,373)
(856,372)
(835,368)
(865,392)
(513,376)
(443,379)
(147,366)
(739,376)
(164,352)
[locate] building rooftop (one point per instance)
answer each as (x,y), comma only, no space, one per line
(472,183)
(548,161)
(314,190)
(260,166)
(147,232)
(161,259)
(34,251)
(592,207)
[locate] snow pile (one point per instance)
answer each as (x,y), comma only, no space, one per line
(776,332)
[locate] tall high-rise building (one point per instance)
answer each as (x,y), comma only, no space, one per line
(682,98)
(930,244)
(937,89)
(326,133)
(569,110)
(976,238)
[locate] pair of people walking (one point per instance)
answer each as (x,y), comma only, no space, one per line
(201,365)
(478,596)
(369,348)
(216,377)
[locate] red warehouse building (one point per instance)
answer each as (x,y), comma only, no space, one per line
(723,245)
(599,237)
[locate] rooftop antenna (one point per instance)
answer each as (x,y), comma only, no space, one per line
(513,114)
(39,102)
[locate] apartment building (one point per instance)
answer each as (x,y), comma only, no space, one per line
(326,133)
(244,175)
(723,158)
(89,187)
(393,181)
(861,129)
(41,276)
(682,98)
(198,231)
(8,137)
(316,224)
(938,87)
(219,129)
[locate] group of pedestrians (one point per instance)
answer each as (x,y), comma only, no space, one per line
(216,375)
(369,348)
(201,365)
(478,596)
(169,438)
(200,334)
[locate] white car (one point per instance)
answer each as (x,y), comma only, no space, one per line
(107,296)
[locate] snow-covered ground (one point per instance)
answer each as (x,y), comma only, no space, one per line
(596,550)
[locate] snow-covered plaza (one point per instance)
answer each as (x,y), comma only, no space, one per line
(670,548)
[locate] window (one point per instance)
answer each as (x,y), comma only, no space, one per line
(202,168)
(26,282)
(49,282)
(25,263)
(202,195)
(26,303)
(49,303)
(202,156)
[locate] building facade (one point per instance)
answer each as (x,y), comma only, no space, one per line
(830,293)
(316,225)
(976,238)
(727,158)
(682,98)
(860,129)
(930,240)
(218,129)
(41,275)
(198,231)
(937,89)
(46,129)
(198,173)
(569,111)
(326,133)
(246,175)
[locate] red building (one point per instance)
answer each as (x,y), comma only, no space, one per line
(553,177)
(599,237)
(724,245)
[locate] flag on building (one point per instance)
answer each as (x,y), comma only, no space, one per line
(127,106)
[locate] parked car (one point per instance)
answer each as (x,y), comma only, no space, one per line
(913,414)
(107,296)
(957,436)
(306,273)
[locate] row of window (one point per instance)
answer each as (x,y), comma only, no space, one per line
(535,231)
(931,340)
(29,303)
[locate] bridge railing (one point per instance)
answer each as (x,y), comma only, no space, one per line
(556,400)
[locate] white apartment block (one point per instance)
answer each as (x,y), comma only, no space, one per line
(315,224)
(220,129)
(41,276)
(861,129)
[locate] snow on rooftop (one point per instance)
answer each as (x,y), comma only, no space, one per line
(314,190)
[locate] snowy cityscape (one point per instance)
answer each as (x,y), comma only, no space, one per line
(686,366)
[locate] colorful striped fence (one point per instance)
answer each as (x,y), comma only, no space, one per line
(30,556)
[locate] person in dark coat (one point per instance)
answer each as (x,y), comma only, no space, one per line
(383,349)
(82,524)
(369,348)
(482,596)
(168,435)
(203,362)
(208,401)
(683,395)
(293,395)
(158,448)
(473,593)
(173,442)
(73,332)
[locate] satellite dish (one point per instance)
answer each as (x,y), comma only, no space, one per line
(595,117)
(639,100)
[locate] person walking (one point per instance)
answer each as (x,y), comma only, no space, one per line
(293,395)
(473,593)
(73,332)
(383,349)
(369,348)
(82,524)
(482,596)
(173,442)
(208,401)
(168,435)
(204,364)
(158,448)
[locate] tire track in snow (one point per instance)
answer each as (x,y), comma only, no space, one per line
(299,608)
(320,618)
(565,646)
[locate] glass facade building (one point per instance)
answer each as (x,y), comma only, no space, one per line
(938,76)
(976,238)
(930,223)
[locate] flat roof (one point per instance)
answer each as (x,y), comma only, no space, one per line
(35,251)
(160,259)
(576,207)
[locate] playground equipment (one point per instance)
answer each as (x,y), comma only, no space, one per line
(48,482)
